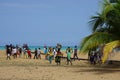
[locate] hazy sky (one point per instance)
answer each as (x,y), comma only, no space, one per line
(39,22)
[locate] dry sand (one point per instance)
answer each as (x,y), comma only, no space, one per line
(30,69)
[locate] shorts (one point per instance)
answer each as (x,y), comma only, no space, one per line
(57,59)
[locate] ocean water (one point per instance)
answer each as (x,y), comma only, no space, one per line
(42,47)
(2,47)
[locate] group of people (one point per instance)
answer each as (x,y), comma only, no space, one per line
(16,51)
(12,50)
(50,53)
(37,54)
(69,51)
(95,56)
(55,53)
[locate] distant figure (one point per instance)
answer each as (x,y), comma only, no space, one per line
(20,52)
(89,54)
(8,52)
(69,52)
(50,54)
(29,54)
(24,53)
(92,55)
(35,55)
(58,57)
(75,53)
(100,53)
(11,46)
(45,52)
(69,49)
(39,53)
(25,46)
(54,52)
(59,46)
(14,52)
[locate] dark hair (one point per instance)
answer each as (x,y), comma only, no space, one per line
(68,47)
(69,50)
(75,46)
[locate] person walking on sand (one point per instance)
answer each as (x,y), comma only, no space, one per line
(20,51)
(29,54)
(58,57)
(50,54)
(69,52)
(39,53)
(14,52)
(59,46)
(24,53)
(54,52)
(75,53)
(35,56)
(8,51)
(45,52)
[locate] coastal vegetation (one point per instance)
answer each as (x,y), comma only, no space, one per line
(105,27)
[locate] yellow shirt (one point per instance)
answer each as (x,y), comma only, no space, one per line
(50,53)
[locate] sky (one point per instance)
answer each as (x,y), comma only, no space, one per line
(46,22)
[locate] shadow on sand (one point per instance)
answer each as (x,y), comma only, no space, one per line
(111,66)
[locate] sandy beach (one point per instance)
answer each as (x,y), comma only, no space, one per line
(30,69)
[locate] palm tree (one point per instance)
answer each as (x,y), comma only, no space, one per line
(113,1)
(94,40)
(105,27)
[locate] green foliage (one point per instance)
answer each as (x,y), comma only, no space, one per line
(97,22)
(105,26)
(94,40)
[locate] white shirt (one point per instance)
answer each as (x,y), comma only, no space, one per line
(38,51)
(14,51)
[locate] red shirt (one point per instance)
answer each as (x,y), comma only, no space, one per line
(29,52)
(58,53)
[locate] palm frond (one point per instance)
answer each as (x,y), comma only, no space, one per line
(96,22)
(95,40)
(107,6)
(114,1)
(108,49)
(83,42)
